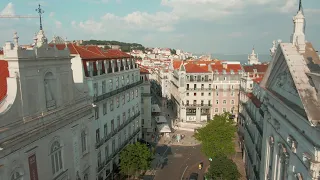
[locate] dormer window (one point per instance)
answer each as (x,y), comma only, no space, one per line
(255,70)
(216,71)
(231,72)
(224,71)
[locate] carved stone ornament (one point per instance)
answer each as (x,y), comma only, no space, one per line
(284,81)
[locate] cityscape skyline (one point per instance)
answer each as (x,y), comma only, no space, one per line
(166,23)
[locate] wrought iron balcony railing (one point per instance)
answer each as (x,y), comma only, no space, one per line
(116,91)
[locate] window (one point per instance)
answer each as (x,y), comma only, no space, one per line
(99,158)
(216,86)
(232,93)
(217,101)
(216,110)
(225,78)
(194,94)
(194,102)
(224,110)
(217,93)
(132,78)
(113,145)
(142,122)
(209,102)
(128,79)
(122,81)
(142,100)
(106,151)
(224,101)
(128,97)
(202,94)
(232,87)
(123,99)
(209,94)
(110,85)
(95,89)
(112,125)
(105,128)
(111,105)
(117,82)
(118,120)
(16,175)
(209,86)
(187,94)
(124,117)
(98,135)
(103,87)
(56,158)
(83,141)
(202,102)
(117,101)
(104,108)
(132,95)
(194,86)
(136,92)
(187,102)
(96,112)
(232,101)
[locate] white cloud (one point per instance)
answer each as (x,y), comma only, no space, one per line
(51,14)
(182,10)
(58,24)
(8,10)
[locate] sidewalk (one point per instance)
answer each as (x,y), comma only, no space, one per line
(188,140)
(237,159)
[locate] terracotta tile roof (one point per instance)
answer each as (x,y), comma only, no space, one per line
(93,52)
(144,71)
(219,67)
(4,73)
(194,68)
(261,68)
(254,100)
(258,80)
(176,64)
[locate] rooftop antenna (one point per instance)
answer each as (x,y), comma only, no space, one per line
(40,12)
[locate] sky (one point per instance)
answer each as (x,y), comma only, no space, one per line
(197,26)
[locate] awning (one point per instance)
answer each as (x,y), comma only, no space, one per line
(155,108)
(161,119)
(163,128)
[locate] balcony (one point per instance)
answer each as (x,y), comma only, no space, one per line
(199,89)
(115,131)
(100,166)
(63,175)
(116,91)
(122,146)
(198,105)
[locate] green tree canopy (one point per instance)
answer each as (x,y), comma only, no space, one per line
(217,136)
(222,168)
(126,47)
(134,158)
(173,51)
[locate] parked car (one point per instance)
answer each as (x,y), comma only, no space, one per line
(193,176)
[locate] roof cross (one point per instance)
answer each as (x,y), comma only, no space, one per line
(300,5)
(40,12)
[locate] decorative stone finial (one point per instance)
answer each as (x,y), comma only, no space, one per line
(16,40)
(66,43)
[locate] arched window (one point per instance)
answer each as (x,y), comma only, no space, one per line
(83,141)
(56,158)
(16,175)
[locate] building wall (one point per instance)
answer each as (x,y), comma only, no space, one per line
(42,116)
(118,108)
(146,119)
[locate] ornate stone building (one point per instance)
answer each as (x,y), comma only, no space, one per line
(289,111)
(42,114)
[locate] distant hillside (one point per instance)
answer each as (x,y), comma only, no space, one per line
(126,47)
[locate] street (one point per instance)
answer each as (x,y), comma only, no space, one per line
(179,162)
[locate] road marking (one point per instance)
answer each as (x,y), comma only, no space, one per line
(183,172)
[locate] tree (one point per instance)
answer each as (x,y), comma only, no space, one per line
(222,168)
(173,51)
(135,158)
(217,136)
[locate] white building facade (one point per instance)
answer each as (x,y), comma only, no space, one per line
(199,90)
(43,115)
